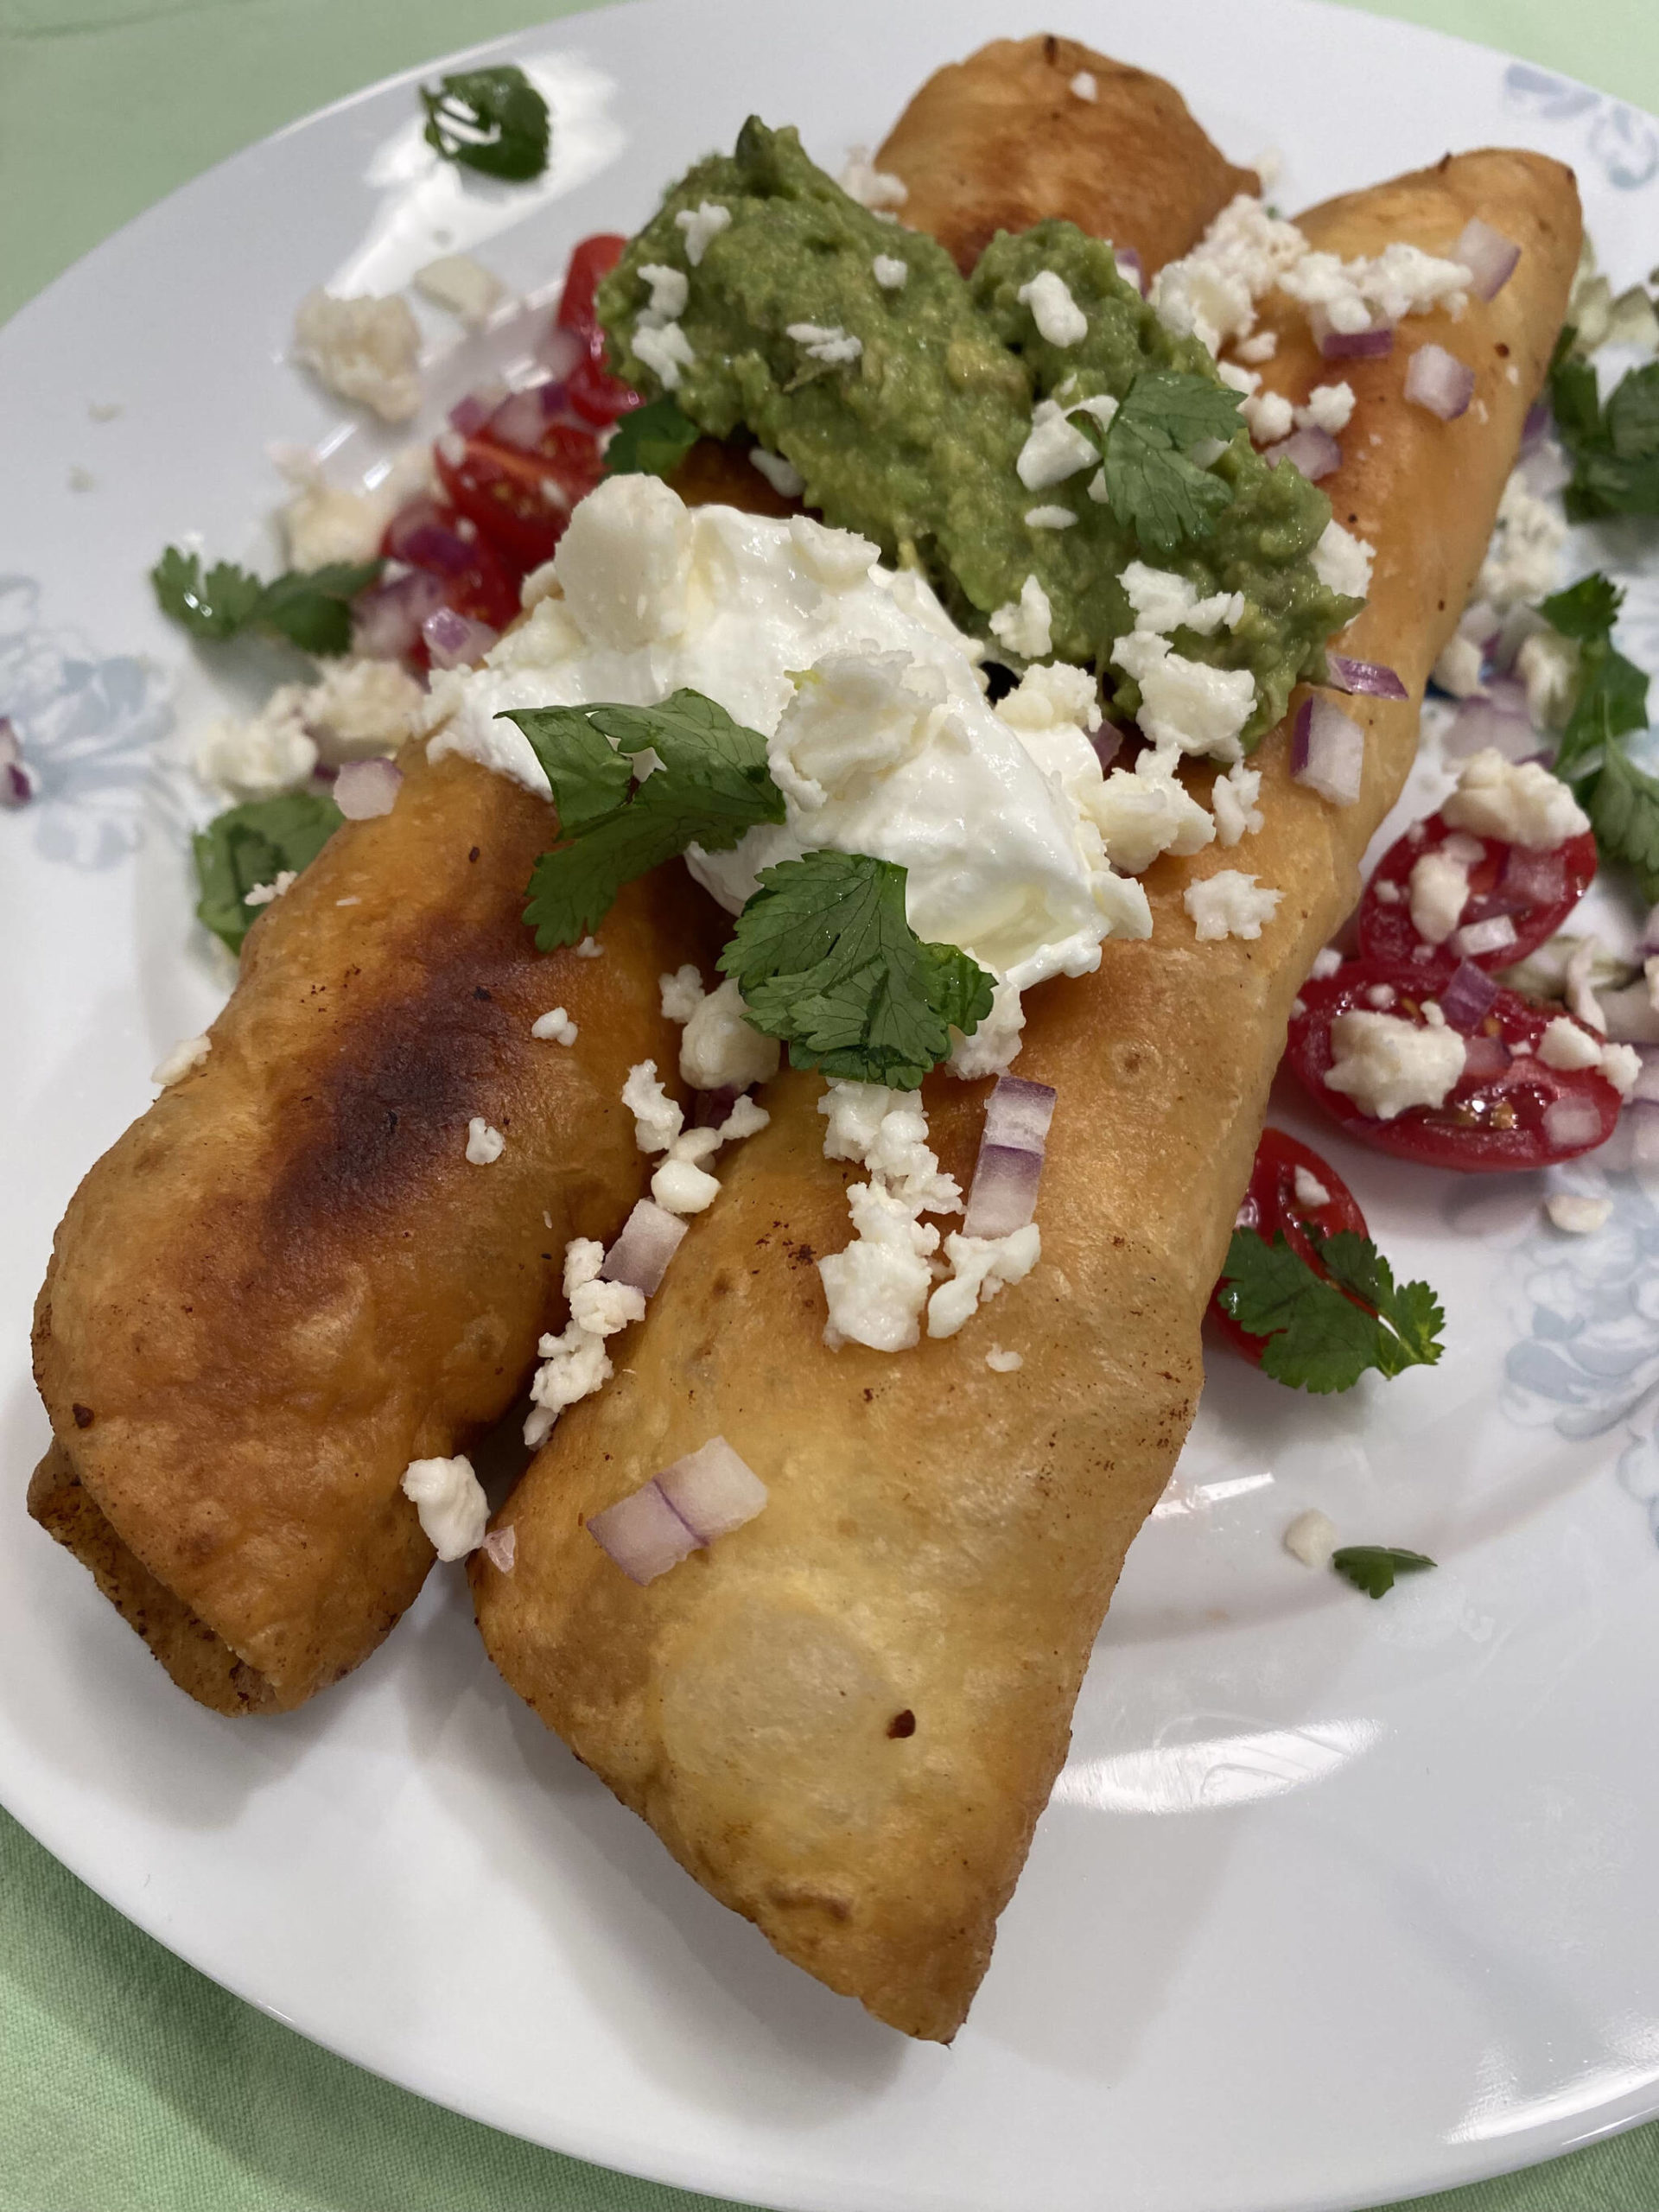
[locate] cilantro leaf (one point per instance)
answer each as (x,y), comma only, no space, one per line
(1624,809)
(590,779)
(492,120)
(312,609)
(214,606)
(1587,609)
(712,785)
(826,961)
(1615,448)
(652,441)
(1611,699)
(1373,1567)
(1152,486)
(1317,1339)
(252,845)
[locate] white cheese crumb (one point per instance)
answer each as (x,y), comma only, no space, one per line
(364,349)
(1329,407)
(664,349)
(979,1265)
(1164,601)
(1386,1063)
(556,1027)
(1004,1363)
(1579,1217)
(1232,801)
(1621,1065)
(1439,892)
(589,949)
(1343,562)
(1049,517)
(657,1119)
(1211,294)
(1547,664)
(876,1289)
(783,475)
(1517,800)
(463,286)
(1083,87)
(1058,318)
(361,709)
(1268,416)
(890,272)
(1310,1192)
(1145,811)
(872,187)
(1381,995)
(1053,449)
(701,225)
(1524,554)
(179,1062)
(263,894)
(680,1185)
(485,1146)
(450,1500)
(1025,626)
(1230,903)
(1354,295)
(720,1049)
(670,290)
(1261,348)
(886,1131)
(1311,1538)
(1326,961)
(822,341)
(1458,668)
(576,1363)
(271,751)
(1389,894)
(994,1045)
(1185,702)
(682,992)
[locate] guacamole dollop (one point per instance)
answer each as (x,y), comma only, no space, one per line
(912,436)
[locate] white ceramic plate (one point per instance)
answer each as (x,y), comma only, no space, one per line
(1336,1902)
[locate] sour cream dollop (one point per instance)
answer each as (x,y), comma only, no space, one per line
(879,734)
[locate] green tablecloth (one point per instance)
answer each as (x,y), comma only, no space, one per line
(128,2084)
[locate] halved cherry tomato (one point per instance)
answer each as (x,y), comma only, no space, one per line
(1507,1110)
(596,395)
(1536,891)
(522,500)
(1272,1205)
(476,581)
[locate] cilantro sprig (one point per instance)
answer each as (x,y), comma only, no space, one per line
(1152,486)
(310,607)
(827,961)
(250,845)
(823,953)
(491,120)
(652,441)
(1317,1339)
(711,785)
(1374,1568)
(1615,448)
(1610,702)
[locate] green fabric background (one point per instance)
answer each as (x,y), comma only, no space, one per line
(128,2082)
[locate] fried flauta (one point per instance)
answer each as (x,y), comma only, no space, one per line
(1032,127)
(844,1719)
(288,1279)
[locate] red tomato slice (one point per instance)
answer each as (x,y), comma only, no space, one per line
(1506,1110)
(521,501)
(476,581)
(1271,1205)
(1536,891)
(595,394)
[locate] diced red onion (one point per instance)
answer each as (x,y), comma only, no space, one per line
(1536,426)
(1108,741)
(710,1108)
(651,1236)
(1572,1124)
(643,1534)
(1479,723)
(1495,934)
(1327,751)
(1131,269)
(1439,381)
(1356,345)
(1315,452)
(713,1491)
(1004,1193)
(1537,879)
(1630,1016)
(1485,1059)
(1509,695)
(500,1547)
(1489,257)
(424,534)
(1365,678)
(17,781)
(366,788)
(469,415)
(1020,1113)
(386,619)
(455,640)
(1469,997)
(520,420)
